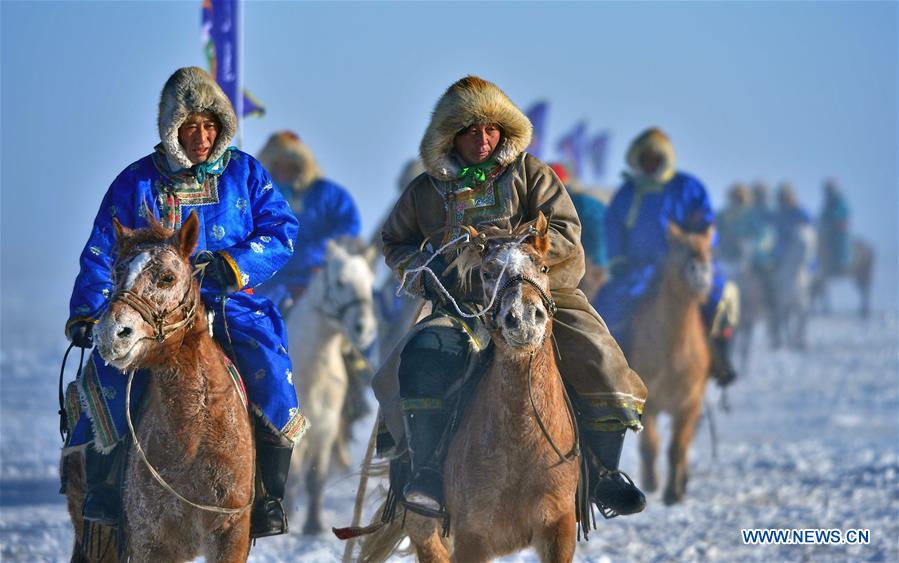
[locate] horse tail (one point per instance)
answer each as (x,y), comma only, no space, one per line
(383,542)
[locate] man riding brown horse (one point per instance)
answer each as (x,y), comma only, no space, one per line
(477,174)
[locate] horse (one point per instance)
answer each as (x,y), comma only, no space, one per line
(670,350)
(506,485)
(337,309)
(194,430)
(860,271)
(792,281)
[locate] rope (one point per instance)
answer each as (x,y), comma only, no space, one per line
(360,491)
(63,415)
(565,458)
(157,476)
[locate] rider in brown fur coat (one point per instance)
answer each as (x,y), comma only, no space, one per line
(477,174)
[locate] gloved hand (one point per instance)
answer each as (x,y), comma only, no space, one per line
(81,334)
(215,268)
(448,280)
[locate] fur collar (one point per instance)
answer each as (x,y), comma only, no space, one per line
(655,139)
(191,90)
(286,146)
(472,100)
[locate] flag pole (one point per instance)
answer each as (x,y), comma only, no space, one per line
(238,95)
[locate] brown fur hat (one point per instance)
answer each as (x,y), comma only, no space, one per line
(469,101)
(286,146)
(653,139)
(191,90)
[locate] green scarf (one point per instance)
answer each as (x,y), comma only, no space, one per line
(477,174)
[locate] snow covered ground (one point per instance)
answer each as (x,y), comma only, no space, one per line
(810,442)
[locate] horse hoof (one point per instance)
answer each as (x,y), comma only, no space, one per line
(672,497)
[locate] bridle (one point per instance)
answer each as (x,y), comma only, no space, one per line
(335,314)
(156,316)
(521,279)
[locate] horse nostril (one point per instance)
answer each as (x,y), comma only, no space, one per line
(539,315)
(511,320)
(125,332)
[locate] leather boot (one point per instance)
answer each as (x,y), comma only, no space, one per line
(721,368)
(615,494)
(424,491)
(268,517)
(102,502)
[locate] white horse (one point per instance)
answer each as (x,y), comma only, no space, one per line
(793,278)
(337,308)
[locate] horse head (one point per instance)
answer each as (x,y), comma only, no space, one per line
(348,300)
(515,278)
(690,260)
(155,293)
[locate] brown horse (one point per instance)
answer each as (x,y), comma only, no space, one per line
(194,430)
(505,485)
(860,271)
(670,350)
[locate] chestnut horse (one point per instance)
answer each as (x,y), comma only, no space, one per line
(505,483)
(670,350)
(194,429)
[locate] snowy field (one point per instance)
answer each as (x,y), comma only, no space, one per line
(810,442)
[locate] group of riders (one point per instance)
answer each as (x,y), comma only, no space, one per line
(263,227)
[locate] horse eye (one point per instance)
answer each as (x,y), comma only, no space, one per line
(544,269)
(166,281)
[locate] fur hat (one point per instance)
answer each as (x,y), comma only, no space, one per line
(470,101)
(656,140)
(191,90)
(286,146)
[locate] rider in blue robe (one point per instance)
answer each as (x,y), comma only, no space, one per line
(324,209)
(653,195)
(833,229)
(246,234)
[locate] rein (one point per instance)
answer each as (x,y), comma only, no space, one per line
(575,449)
(157,476)
(156,317)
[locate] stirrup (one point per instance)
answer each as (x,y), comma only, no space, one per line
(267,518)
(608,512)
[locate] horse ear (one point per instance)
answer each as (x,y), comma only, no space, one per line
(674,231)
(371,255)
(187,236)
(541,239)
(122,233)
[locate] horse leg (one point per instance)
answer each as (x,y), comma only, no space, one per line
(315,481)
(471,547)
(649,447)
(425,537)
(557,542)
(232,545)
(683,428)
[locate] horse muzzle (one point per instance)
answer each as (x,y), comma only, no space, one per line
(119,336)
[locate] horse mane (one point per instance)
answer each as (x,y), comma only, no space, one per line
(153,233)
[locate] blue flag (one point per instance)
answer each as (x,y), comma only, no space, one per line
(598,151)
(221,38)
(571,148)
(537,115)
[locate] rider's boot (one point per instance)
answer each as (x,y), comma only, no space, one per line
(615,493)
(273,463)
(102,501)
(721,369)
(424,430)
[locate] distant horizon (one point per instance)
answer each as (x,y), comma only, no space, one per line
(774,91)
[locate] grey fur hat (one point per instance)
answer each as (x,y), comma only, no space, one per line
(191,90)
(469,101)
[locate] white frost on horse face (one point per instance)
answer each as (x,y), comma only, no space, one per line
(135,267)
(516,259)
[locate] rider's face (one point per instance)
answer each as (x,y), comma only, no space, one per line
(197,136)
(476,143)
(649,162)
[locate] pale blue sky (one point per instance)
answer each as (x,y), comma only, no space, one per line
(769,90)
